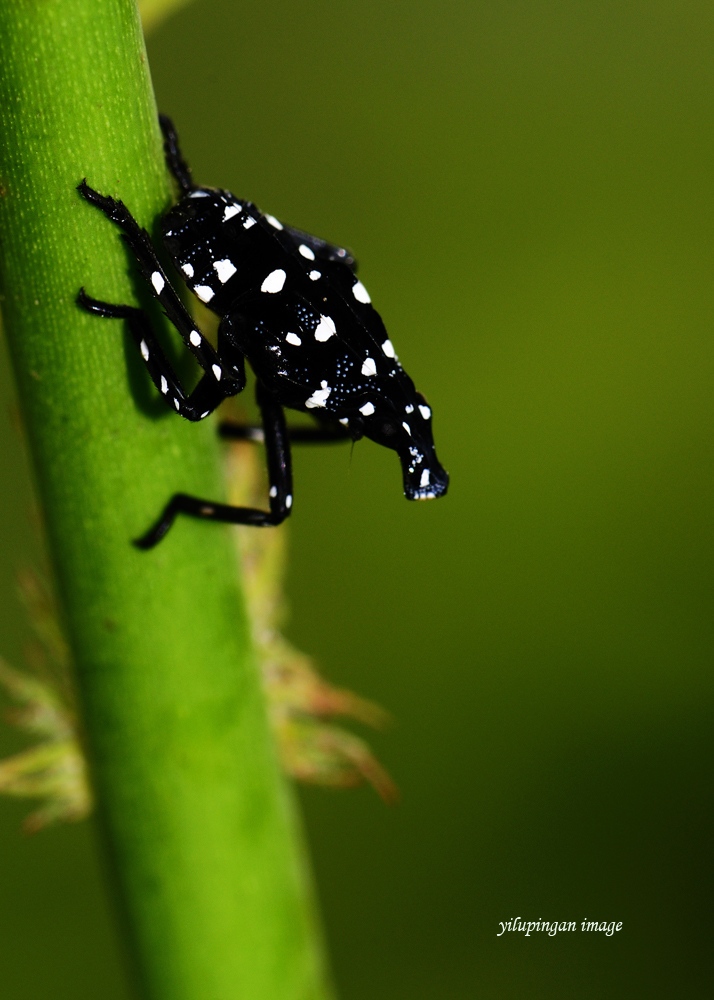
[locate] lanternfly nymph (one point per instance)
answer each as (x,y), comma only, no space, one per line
(292,305)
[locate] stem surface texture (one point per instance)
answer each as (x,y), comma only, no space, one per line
(202,834)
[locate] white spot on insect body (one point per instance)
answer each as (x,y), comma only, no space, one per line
(409,408)
(274,282)
(158,282)
(204,293)
(367,410)
(345,421)
(144,348)
(306,252)
(319,396)
(204,415)
(273,491)
(292,338)
(406,427)
(195,338)
(248,222)
(425,411)
(230,211)
(225,269)
(216,369)
(314,275)
(388,348)
(288,501)
(187,270)
(198,194)
(361,293)
(325,329)
(273,222)
(425,477)
(369,367)
(164,385)
(177,404)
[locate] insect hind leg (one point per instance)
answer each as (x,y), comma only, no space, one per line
(196,405)
(139,242)
(172,154)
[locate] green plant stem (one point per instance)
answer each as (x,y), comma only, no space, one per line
(201,829)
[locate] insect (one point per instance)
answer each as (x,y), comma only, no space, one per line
(292,305)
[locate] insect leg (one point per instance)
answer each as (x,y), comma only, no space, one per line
(206,396)
(172,154)
(279,473)
(296,435)
(141,246)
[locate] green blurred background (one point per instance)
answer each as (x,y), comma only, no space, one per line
(528,186)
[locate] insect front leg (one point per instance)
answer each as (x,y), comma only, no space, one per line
(280,498)
(206,396)
(323,434)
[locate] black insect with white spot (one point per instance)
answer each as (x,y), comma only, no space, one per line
(292,305)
